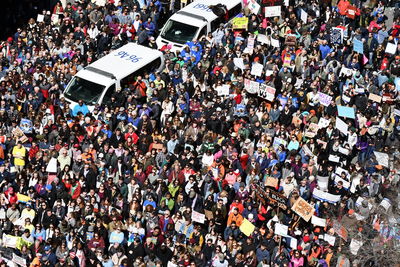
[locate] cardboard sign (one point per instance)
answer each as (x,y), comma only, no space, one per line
(223,90)
(303,209)
(312,130)
(198,217)
(279,141)
(324,99)
(272,182)
(375,98)
(240,23)
(247,227)
(266,92)
(272,11)
(281,229)
(52,166)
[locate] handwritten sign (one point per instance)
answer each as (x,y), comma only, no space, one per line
(318,221)
(375,98)
(303,209)
(18,260)
(198,217)
(253,6)
(240,23)
(271,182)
(324,99)
(272,11)
(256,69)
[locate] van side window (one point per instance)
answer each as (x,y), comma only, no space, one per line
(107,96)
(203,32)
(150,67)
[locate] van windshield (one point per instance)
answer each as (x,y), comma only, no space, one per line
(179,32)
(81,89)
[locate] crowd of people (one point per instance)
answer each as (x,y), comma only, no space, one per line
(173,172)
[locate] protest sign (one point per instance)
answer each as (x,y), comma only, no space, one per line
(303,209)
(52,166)
(256,69)
(395,112)
(325,196)
(322,143)
(323,123)
(26,126)
(266,92)
(382,158)
(40,18)
(359,203)
(375,98)
(347,112)
(18,260)
(344,151)
(385,203)
(251,86)
(391,48)
(271,182)
(223,90)
(10,241)
(247,227)
(54,18)
(397,83)
(250,43)
(346,184)
(312,130)
(318,221)
(281,229)
(358,46)
(334,158)
(303,15)
(272,11)
(273,197)
(198,217)
(238,63)
(279,141)
(323,182)
(330,239)
(324,99)
(262,38)
(253,6)
(340,230)
(337,35)
(355,245)
(240,23)
(275,42)
(307,151)
(293,242)
(341,126)
(2,214)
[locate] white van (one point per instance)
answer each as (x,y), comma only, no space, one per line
(193,21)
(96,83)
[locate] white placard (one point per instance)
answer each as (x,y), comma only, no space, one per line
(272,11)
(303,16)
(2,214)
(40,18)
(343,150)
(341,126)
(323,123)
(391,48)
(253,6)
(382,158)
(318,221)
(18,260)
(262,38)
(334,158)
(238,62)
(293,242)
(52,166)
(256,69)
(274,42)
(355,245)
(198,217)
(281,229)
(223,90)
(330,239)
(385,204)
(323,182)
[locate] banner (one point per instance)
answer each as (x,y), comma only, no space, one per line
(23,198)
(272,11)
(325,196)
(266,92)
(303,209)
(198,217)
(240,23)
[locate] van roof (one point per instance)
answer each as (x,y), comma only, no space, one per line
(123,61)
(206,13)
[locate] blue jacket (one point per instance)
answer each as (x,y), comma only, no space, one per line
(84,109)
